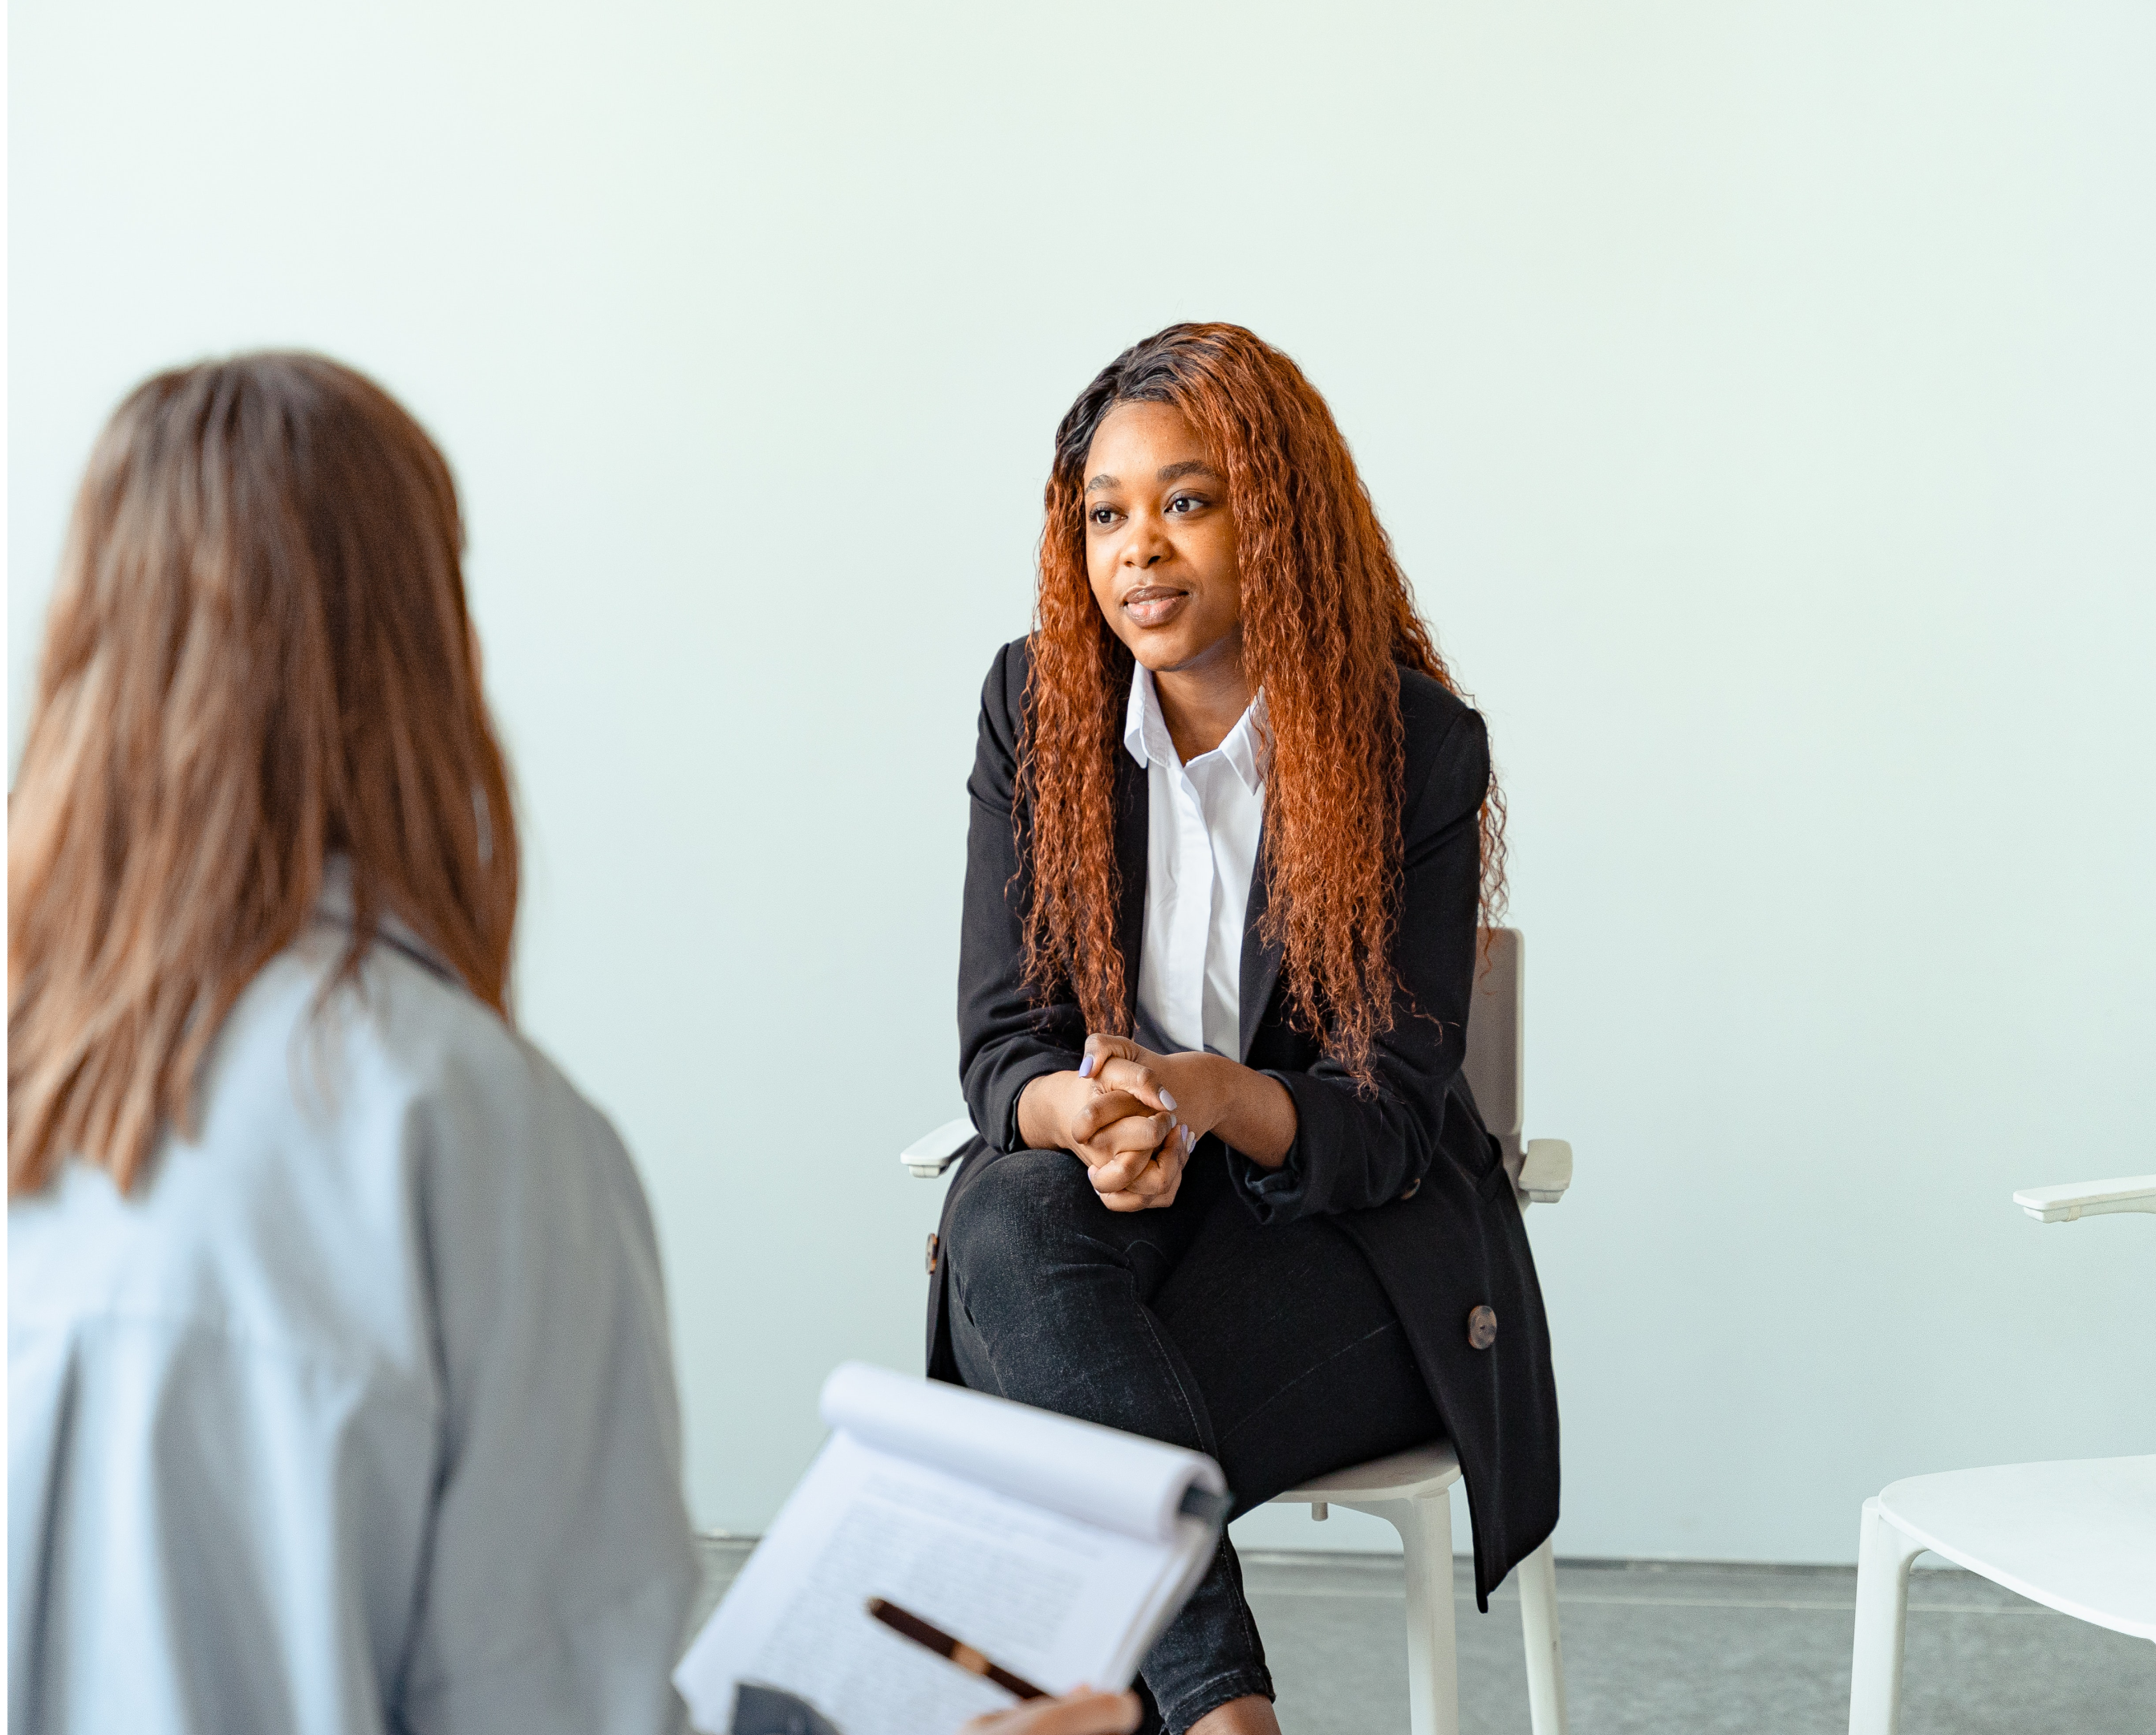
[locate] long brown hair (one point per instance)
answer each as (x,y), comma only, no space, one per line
(1327,621)
(258,655)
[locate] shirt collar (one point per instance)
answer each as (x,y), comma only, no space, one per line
(1146,736)
(335,907)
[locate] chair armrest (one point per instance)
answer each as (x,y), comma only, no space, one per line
(2088,1199)
(928,1155)
(1546,1170)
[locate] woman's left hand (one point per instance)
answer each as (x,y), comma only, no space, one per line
(1149,1180)
(1180,1080)
(1206,1092)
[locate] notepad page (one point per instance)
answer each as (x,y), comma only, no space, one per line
(1098,1475)
(1056,1601)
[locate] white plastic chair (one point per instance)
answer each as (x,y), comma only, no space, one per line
(2079,1537)
(1412,1490)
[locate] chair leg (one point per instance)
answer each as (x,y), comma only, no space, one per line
(1537,1577)
(1884,1553)
(1425,1528)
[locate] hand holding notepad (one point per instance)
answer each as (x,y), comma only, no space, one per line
(1057,1549)
(1080,1713)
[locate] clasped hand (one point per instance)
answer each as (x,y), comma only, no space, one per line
(1132,1117)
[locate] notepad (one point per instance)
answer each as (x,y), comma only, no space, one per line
(1057,1548)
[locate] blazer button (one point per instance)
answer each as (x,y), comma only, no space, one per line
(932,1258)
(1482,1327)
(1412,1188)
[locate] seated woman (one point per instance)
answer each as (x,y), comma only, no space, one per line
(1232,824)
(339,1393)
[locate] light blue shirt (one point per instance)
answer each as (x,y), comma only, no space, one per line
(359,1414)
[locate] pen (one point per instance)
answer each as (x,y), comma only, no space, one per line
(935,1639)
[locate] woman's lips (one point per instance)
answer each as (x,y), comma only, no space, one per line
(1154,605)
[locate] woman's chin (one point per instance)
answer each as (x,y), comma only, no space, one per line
(1172,652)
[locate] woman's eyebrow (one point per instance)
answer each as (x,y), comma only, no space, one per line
(1102,483)
(1189,467)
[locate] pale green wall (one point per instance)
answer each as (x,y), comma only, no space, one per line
(1760,396)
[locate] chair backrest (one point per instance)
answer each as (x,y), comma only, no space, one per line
(1496,1032)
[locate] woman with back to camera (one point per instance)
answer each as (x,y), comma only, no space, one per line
(340,1388)
(1232,825)
(340,1399)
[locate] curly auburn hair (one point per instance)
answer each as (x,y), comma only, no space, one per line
(1327,621)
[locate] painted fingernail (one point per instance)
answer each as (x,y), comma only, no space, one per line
(1189,1140)
(1167,1101)
(1086,1067)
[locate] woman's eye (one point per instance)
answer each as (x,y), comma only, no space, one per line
(1184,502)
(1103,515)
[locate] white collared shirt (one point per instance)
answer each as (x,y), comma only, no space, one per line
(1204,822)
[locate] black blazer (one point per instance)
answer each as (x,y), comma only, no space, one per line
(1407,1172)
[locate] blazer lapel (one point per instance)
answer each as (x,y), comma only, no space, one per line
(1261,961)
(1133,814)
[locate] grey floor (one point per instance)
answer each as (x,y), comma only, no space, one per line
(1681,1650)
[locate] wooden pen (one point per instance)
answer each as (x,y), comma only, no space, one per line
(950,1649)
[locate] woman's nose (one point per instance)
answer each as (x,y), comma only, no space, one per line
(1146,544)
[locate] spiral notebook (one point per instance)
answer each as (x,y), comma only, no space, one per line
(1055,1548)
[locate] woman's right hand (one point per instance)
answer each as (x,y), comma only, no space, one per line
(1127,1136)
(1082,1712)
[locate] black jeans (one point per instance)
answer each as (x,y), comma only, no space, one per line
(1273,1349)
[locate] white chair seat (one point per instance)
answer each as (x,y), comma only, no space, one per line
(1405,1476)
(2079,1537)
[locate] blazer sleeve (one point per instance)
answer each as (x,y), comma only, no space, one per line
(1357,1147)
(1007,1038)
